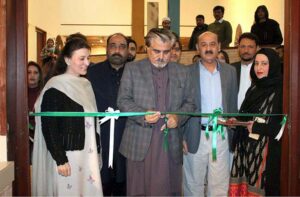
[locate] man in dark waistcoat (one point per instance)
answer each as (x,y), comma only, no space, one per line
(105,78)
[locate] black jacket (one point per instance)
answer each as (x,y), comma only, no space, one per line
(196,32)
(62,133)
(267,32)
(105,82)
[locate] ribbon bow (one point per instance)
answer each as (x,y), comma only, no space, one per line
(216,129)
(283,122)
(111,133)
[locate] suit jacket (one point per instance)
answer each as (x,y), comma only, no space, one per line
(137,94)
(229,100)
(237,66)
(105,82)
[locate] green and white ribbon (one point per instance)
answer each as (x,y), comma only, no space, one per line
(216,129)
(213,118)
(111,133)
(283,122)
(166,132)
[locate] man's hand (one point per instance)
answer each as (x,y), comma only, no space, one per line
(172,122)
(64,170)
(184,147)
(153,118)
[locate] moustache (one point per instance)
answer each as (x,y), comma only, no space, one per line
(160,60)
(117,55)
(209,52)
(245,54)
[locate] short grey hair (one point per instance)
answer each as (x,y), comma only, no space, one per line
(163,34)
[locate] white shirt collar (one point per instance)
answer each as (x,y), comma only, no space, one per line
(221,20)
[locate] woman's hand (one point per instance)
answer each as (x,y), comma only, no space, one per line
(249,126)
(64,170)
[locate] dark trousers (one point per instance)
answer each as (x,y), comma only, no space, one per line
(114,189)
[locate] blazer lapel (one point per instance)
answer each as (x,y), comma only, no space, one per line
(172,85)
(238,70)
(147,73)
(195,74)
(223,87)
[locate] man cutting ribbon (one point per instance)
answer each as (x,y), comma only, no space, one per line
(155,84)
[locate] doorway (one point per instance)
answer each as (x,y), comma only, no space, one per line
(41,36)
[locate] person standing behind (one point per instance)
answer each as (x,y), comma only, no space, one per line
(223,57)
(156,85)
(198,30)
(35,85)
(65,159)
(216,87)
(247,47)
(221,27)
(105,78)
(49,50)
(176,50)
(256,162)
(132,47)
(267,30)
(166,23)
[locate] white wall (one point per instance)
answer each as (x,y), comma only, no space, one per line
(236,12)
(3,148)
(103,17)
(162,12)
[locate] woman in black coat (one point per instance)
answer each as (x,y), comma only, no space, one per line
(256,162)
(267,30)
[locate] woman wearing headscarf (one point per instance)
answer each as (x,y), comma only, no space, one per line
(256,163)
(65,157)
(34,87)
(267,30)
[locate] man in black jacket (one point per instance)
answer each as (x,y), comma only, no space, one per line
(105,79)
(199,29)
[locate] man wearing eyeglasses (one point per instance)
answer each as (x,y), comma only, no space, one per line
(154,84)
(105,79)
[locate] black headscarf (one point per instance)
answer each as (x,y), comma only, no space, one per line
(264,87)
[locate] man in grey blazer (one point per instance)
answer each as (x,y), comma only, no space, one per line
(248,44)
(157,85)
(216,87)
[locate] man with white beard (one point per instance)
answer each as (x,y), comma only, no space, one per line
(157,85)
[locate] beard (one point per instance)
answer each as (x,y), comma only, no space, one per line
(117,59)
(246,59)
(130,58)
(160,64)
